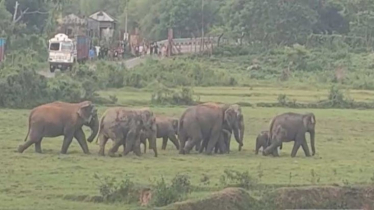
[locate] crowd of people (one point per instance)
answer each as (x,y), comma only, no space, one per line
(102,52)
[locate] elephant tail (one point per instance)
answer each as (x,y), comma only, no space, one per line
(28,130)
(100,127)
(271,130)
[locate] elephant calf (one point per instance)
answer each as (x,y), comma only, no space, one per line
(263,140)
(167,128)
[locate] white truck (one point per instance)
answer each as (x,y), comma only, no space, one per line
(64,52)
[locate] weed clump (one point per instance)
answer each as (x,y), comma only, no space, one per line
(113,191)
(164,194)
(238,179)
(166,96)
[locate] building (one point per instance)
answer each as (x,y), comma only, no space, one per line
(106,25)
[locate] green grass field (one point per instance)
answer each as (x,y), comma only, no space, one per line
(344,144)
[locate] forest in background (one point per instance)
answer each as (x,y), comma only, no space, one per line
(300,41)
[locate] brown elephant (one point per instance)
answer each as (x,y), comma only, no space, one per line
(263,140)
(123,125)
(167,128)
(291,126)
(61,118)
(205,122)
(227,130)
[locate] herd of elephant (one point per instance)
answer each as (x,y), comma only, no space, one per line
(207,127)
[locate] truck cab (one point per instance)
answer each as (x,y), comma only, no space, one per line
(62,52)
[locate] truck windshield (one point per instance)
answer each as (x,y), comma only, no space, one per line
(54,46)
(66,46)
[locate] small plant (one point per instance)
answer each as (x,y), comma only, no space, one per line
(240,179)
(282,99)
(164,194)
(113,191)
(205,180)
(372,178)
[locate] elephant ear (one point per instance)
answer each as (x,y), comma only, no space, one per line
(86,111)
(230,118)
(309,120)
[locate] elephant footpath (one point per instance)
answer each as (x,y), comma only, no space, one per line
(318,197)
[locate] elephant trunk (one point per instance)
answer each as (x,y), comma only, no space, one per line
(237,138)
(312,136)
(94,125)
(241,128)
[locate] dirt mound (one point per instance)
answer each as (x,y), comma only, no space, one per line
(328,197)
(227,199)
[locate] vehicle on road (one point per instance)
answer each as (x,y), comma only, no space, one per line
(65,51)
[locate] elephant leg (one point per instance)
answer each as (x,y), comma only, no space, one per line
(38,146)
(182,140)
(213,139)
(272,147)
(275,152)
(117,143)
(222,146)
(130,142)
(102,140)
(33,139)
(145,145)
(175,141)
(192,142)
(296,147)
(199,147)
(136,147)
(67,141)
(81,138)
(305,147)
(164,143)
(203,144)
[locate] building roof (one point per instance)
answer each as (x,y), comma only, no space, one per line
(101,16)
(73,19)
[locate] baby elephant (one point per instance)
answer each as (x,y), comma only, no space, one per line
(263,140)
(167,128)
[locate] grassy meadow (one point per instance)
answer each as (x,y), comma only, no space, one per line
(344,144)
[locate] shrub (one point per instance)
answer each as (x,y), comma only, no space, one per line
(238,179)
(163,95)
(164,194)
(177,72)
(113,191)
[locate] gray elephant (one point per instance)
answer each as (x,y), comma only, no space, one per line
(292,127)
(61,118)
(226,130)
(263,140)
(167,128)
(123,126)
(205,123)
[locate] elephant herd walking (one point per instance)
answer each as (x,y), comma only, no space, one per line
(207,127)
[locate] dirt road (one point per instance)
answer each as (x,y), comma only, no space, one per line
(128,63)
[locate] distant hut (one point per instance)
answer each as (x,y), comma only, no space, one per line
(106,25)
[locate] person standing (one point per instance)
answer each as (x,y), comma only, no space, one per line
(151,48)
(155,48)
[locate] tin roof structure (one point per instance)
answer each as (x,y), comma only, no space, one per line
(101,16)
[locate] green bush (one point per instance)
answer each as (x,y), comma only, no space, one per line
(165,96)
(113,191)
(178,72)
(164,194)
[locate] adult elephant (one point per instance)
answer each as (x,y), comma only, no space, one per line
(291,126)
(263,140)
(123,125)
(205,122)
(227,129)
(61,118)
(166,128)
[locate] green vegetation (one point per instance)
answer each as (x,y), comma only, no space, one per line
(300,56)
(343,155)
